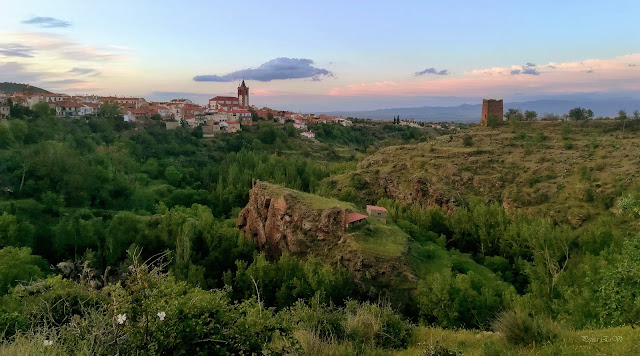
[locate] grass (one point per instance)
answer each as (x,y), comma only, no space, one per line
(520,166)
(613,341)
(437,341)
(379,238)
(311,201)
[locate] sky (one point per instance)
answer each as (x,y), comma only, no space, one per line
(324,55)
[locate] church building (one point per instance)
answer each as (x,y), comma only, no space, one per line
(228,103)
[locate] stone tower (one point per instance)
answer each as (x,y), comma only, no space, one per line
(491,107)
(243,94)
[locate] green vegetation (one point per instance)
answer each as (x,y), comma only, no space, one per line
(310,201)
(521,239)
(379,238)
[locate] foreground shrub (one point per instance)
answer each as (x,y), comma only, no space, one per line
(521,329)
(150,313)
(361,325)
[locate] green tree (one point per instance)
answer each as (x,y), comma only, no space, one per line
(579,114)
(6,137)
(14,232)
(109,109)
(43,110)
(514,114)
(173,176)
(18,265)
(530,115)
(19,130)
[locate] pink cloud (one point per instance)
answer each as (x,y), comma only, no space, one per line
(621,73)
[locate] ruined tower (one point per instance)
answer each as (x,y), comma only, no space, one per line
(243,95)
(491,107)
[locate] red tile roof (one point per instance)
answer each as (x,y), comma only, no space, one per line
(68,104)
(378,208)
(353,217)
(233,123)
(224,98)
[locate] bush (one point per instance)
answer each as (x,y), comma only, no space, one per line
(521,329)
(467,141)
(365,326)
(376,325)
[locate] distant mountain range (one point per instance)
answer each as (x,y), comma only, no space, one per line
(10,88)
(470,113)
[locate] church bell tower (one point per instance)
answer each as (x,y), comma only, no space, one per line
(243,95)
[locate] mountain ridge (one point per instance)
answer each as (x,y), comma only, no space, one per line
(471,112)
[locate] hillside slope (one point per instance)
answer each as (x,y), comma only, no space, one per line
(10,88)
(566,171)
(383,260)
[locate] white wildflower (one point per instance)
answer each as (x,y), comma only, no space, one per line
(162,315)
(48,342)
(121,318)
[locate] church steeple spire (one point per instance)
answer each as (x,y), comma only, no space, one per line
(243,94)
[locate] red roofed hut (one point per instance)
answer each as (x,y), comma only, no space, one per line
(355,219)
(377,212)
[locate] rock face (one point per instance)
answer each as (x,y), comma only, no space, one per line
(278,221)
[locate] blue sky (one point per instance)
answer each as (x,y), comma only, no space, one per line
(369,48)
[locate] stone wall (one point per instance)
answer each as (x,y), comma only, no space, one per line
(491,107)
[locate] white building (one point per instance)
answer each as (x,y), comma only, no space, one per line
(299,125)
(343,122)
(308,134)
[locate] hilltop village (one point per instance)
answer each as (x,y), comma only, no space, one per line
(222,114)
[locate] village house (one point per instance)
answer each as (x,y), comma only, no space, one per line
(67,109)
(135,103)
(377,212)
(308,134)
(140,113)
(216,117)
(4,108)
(342,121)
(163,111)
(93,99)
(211,127)
(34,99)
(88,109)
(191,120)
(180,102)
(192,114)
(239,114)
(223,103)
(232,126)
(299,125)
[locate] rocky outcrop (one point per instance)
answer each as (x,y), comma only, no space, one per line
(278,220)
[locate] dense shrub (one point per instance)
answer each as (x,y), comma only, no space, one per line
(519,328)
